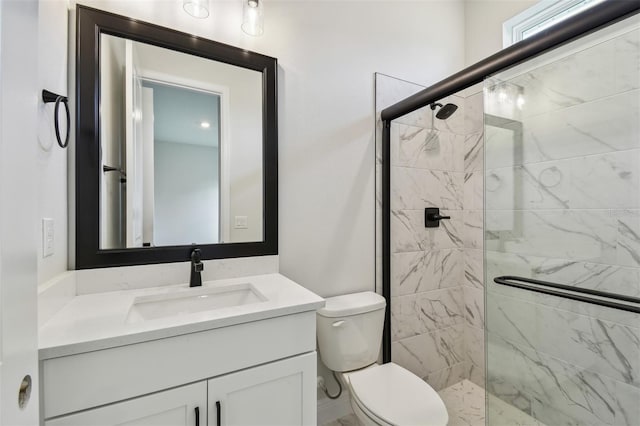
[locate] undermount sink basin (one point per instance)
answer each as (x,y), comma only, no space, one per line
(191,301)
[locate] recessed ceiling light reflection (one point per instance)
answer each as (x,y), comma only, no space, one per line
(205,125)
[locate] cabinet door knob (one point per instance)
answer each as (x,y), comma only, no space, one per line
(197,410)
(218,413)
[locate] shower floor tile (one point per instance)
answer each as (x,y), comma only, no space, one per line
(465,402)
(348,420)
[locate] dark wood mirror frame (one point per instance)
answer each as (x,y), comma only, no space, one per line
(90,24)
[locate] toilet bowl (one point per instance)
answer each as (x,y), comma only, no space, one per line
(388,394)
(349,336)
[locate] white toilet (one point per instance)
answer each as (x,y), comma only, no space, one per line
(349,337)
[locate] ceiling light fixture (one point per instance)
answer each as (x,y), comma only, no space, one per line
(253,17)
(196,8)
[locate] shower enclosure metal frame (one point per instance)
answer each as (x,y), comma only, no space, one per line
(600,16)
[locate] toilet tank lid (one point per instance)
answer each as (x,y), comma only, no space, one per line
(352,304)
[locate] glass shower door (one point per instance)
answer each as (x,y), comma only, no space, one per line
(562,206)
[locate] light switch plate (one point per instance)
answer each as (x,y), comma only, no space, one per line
(47,237)
(241,222)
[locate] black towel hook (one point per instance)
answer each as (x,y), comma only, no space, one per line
(48,97)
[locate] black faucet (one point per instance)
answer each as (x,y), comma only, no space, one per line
(196,269)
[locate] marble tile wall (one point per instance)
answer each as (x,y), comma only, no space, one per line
(563,205)
(428,313)
(437,303)
(473,205)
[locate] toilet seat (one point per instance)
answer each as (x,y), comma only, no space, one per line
(391,395)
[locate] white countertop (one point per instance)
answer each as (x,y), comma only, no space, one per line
(99,321)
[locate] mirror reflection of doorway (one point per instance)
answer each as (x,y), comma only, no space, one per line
(181,162)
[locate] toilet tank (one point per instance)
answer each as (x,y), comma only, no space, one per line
(350,330)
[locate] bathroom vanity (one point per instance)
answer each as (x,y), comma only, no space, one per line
(238,351)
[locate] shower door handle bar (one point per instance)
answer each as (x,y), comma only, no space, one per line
(594,297)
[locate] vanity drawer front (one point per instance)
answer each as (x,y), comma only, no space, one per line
(176,407)
(87,380)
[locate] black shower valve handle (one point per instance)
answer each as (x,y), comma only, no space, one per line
(438,217)
(432,217)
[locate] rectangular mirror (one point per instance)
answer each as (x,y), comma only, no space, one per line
(176,145)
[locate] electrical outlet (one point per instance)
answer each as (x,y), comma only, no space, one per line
(48,240)
(241,222)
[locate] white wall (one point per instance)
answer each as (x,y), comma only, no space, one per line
(483,25)
(185,194)
(51,159)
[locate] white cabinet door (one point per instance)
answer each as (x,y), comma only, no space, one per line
(183,406)
(280,393)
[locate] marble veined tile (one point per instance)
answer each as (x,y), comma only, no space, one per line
(596,276)
(446,377)
(598,71)
(503,148)
(579,395)
(601,181)
(474,306)
(408,232)
(500,413)
(628,238)
(430,352)
(474,152)
(585,309)
(348,420)
(426,148)
(474,354)
(586,235)
(465,404)
(504,386)
(627,50)
(416,272)
(473,268)
(473,236)
(605,125)
(417,188)
(500,191)
(627,406)
(610,181)
(533,186)
(602,347)
(473,191)
(474,113)
(422,313)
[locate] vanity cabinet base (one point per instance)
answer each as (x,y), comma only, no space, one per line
(281,393)
(93,379)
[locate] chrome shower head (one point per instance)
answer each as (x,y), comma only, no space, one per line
(445,111)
